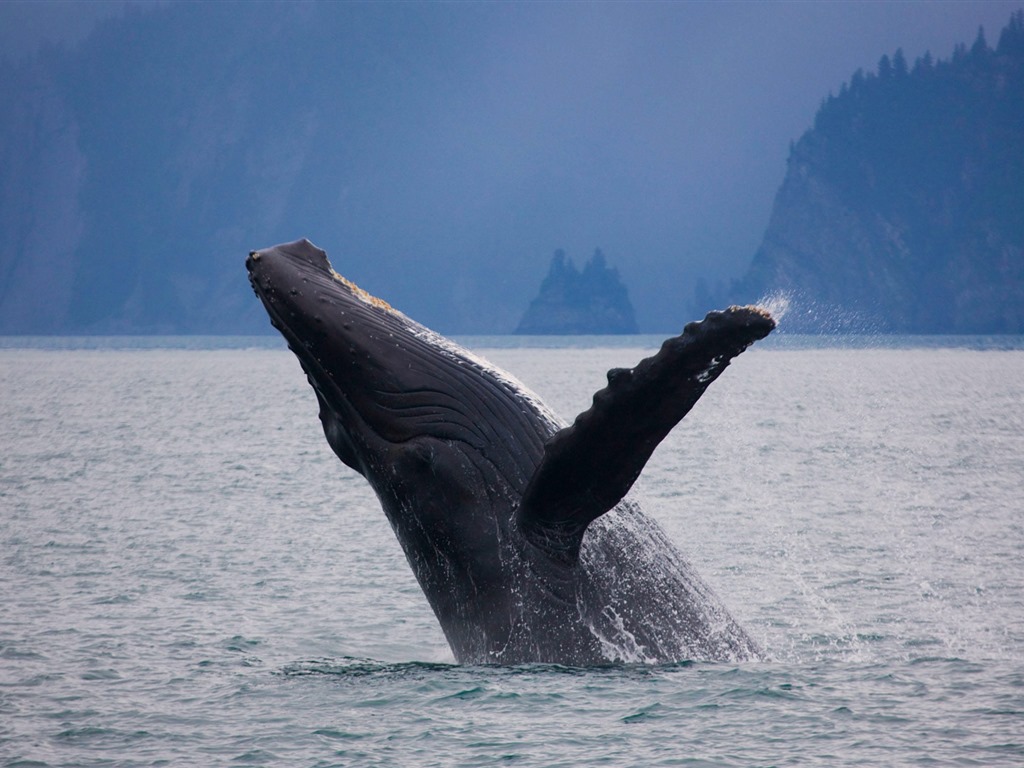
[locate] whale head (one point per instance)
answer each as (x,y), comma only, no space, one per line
(384,382)
(447,442)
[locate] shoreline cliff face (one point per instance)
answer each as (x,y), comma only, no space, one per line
(41,170)
(902,210)
(588,301)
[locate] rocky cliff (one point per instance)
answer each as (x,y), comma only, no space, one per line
(138,167)
(571,301)
(902,210)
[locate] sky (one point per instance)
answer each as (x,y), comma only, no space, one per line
(656,131)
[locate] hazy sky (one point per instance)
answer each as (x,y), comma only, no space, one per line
(656,131)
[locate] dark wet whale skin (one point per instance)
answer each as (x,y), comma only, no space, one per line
(503,523)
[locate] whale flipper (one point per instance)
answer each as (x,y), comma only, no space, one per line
(587,468)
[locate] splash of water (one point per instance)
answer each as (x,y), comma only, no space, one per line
(623,645)
(776,303)
(808,315)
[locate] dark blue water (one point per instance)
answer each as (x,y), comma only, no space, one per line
(191,578)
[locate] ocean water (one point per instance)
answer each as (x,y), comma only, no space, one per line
(190,577)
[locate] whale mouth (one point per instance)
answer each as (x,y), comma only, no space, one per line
(329,324)
(380,378)
(384,382)
(301,261)
(277,279)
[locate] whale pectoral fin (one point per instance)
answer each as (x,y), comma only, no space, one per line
(588,467)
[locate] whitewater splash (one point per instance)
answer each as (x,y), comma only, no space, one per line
(808,315)
(777,304)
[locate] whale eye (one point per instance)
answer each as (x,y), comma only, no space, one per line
(415,457)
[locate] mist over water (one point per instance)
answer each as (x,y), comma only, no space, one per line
(192,577)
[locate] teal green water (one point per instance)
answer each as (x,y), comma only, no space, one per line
(191,578)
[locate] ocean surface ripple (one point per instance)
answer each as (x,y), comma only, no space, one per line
(191,577)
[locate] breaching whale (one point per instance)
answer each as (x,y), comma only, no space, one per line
(516,526)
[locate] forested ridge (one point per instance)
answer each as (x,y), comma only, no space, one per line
(903,207)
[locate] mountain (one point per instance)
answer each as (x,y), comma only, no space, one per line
(138,168)
(571,301)
(902,209)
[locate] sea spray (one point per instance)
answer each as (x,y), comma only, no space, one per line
(776,303)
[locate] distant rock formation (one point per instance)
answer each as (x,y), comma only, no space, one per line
(593,301)
(902,210)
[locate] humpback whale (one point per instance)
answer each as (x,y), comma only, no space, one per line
(517,526)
